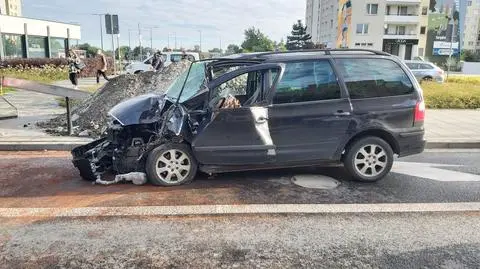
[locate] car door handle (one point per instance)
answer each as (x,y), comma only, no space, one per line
(261,120)
(341,113)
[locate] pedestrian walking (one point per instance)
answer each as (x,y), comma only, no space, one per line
(74,68)
(158,61)
(102,66)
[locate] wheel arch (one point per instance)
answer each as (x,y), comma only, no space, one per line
(380,133)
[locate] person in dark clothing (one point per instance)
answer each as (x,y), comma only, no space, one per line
(157,61)
(102,69)
(73,70)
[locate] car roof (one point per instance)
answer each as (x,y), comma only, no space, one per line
(416,62)
(301,54)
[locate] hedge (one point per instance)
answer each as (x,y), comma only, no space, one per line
(457,93)
(21,68)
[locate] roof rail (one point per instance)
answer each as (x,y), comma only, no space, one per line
(326,51)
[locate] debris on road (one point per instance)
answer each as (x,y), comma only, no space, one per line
(134,177)
(92,113)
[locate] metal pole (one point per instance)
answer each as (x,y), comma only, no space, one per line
(101,30)
(69,116)
(168,40)
(113,46)
(200,40)
(175,33)
(151,38)
(119,53)
(451,48)
(140,42)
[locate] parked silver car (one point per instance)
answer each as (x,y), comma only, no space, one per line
(426,71)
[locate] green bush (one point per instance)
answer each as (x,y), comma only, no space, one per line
(46,73)
(457,93)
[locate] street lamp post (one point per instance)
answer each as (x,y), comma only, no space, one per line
(101,28)
(200,31)
(451,45)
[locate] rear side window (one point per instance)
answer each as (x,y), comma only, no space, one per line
(370,78)
(307,81)
(412,66)
(426,66)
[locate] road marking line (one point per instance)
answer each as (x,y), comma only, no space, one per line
(239,209)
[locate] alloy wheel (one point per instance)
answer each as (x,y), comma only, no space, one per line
(173,166)
(370,160)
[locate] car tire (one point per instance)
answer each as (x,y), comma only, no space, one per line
(427,79)
(368,159)
(138,72)
(171,164)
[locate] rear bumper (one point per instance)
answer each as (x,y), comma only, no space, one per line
(411,143)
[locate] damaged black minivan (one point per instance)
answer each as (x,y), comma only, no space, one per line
(266,110)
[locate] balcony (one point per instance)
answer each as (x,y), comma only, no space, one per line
(403,19)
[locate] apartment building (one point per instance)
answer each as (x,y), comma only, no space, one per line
(471,29)
(11,7)
(398,27)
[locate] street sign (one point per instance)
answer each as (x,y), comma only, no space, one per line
(111,24)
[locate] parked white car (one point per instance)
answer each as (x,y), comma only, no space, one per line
(169,57)
(426,71)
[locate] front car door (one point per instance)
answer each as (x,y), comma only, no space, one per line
(236,131)
(310,112)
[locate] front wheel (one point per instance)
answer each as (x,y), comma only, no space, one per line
(171,165)
(369,159)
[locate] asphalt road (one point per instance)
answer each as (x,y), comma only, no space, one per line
(335,240)
(49,180)
(293,241)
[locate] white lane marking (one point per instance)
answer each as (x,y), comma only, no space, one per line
(434,171)
(239,209)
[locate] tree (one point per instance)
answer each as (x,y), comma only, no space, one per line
(91,51)
(215,50)
(125,52)
(233,49)
(196,48)
(280,46)
(256,41)
(299,38)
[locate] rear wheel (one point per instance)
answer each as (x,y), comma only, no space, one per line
(369,159)
(427,79)
(171,165)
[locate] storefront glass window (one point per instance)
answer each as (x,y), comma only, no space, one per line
(57,47)
(12,46)
(37,47)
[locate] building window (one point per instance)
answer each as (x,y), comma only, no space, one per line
(424,10)
(423,29)
(331,23)
(12,46)
(402,11)
(57,47)
(362,28)
(469,3)
(37,47)
(470,43)
(372,9)
(401,30)
(370,44)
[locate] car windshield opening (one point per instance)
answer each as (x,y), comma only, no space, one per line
(195,80)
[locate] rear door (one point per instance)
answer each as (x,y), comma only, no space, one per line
(237,134)
(381,93)
(310,113)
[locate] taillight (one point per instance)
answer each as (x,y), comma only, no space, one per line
(420,111)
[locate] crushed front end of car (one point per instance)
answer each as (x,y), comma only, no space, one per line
(135,127)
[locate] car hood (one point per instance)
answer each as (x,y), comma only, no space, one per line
(142,109)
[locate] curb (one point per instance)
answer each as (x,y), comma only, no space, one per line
(40,146)
(68,146)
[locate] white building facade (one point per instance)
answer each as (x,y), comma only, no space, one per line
(11,7)
(30,38)
(398,27)
(471,29)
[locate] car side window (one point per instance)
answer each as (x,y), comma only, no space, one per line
(175,58)
(307,81)
(426,66)
(243,90)
(412,66)
(370,78)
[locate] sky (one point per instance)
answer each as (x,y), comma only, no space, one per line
(220,21)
